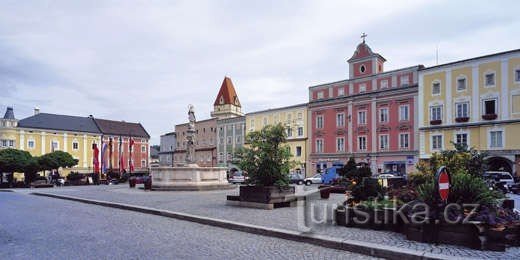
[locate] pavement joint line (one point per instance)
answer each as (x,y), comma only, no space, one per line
(361,247)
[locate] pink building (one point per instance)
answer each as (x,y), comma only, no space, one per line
(370,116)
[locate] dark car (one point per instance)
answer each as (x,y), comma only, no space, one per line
(296,178)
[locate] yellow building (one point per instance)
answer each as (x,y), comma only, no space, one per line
(294,118)
(476,102)
(43,133)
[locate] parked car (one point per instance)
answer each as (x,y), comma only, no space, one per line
(497,176)
(385,176)
(296,178)
(237,177)
(316,179)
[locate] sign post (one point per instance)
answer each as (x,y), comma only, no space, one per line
(442,179)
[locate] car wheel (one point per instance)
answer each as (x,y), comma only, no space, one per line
(300,182)
(308,183)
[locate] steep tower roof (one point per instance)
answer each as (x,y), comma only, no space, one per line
(363,51)
(9,113)
(227,94)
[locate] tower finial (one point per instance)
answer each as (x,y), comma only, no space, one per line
(364,35)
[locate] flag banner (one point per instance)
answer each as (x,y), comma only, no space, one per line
(130,160)
(103,158)
(95,160)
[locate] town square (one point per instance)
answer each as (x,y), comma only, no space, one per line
(259,130)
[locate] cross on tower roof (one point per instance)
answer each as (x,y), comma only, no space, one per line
(364,35)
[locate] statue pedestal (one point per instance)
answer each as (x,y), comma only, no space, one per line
(189,177)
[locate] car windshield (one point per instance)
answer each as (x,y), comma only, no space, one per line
(317,176)
(505,176)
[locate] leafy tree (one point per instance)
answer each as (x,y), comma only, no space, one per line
(459,160)
(31,170)
(348,168)
(13,160)
(266,159)
(56,160)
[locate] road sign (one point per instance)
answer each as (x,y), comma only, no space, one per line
(443,182)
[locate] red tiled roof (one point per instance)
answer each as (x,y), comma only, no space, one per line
(227,93)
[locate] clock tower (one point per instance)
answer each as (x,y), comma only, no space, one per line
(226,104)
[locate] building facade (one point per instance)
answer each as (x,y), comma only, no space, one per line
(44,133)
(127,145)
(167,148)
(230,137)
(369,116)
(8,133)
(294,119)
(474,102)
(205,143)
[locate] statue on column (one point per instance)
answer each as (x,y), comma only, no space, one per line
(190,136)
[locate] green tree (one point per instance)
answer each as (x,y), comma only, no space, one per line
(459,160)
(348,168)
(13,160)
(56,160)
(266,159)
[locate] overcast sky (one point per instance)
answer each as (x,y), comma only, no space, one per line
(145,61)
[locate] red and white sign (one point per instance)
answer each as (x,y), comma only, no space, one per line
(443,180)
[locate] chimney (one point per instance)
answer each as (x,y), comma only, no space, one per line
(36,110)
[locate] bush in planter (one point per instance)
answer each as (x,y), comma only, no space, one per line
(466,189)
(266,160)
(366,190)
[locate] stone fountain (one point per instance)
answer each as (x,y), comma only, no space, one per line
(189,176)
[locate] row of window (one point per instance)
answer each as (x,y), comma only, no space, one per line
(404,115)
(489,81)
(290,132)
(404,143)
(276,119)
(495,140)
(7,143)
(405,81)
(6,123)
(462,109)
(238,140)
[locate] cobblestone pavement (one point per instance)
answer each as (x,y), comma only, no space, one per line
(44,228)
(212,204)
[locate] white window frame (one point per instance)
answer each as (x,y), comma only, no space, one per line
(401,107)
(516,75)
(432,148)
(11,143)
(407,134)
(340,119)
(341,91)
(490,138)
(143,148)
(33,142)
(75,142)
(319,95)
(320,121)
(340,148)
(362,88)
(494,79)
(496,105)
(364,117)
(319,145)
(385,147)
(296,151)
(384,116)
(461,133)
(462,77)
(300,131)
(433,87)
(364,148)
(431,112)
(407,81)
(468,112)
(57,145)
(264,120)
(383,84)
(514,94)
(143,163)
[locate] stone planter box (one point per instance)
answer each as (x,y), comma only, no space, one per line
(265,194)
(370,219)
(326,190)
(425,233)
(467,235)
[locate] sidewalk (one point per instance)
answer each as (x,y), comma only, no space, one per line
(211,204)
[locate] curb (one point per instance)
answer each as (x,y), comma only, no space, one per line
(366,248)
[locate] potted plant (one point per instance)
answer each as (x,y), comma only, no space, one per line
(461,119)
(435,122)
(267,162)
